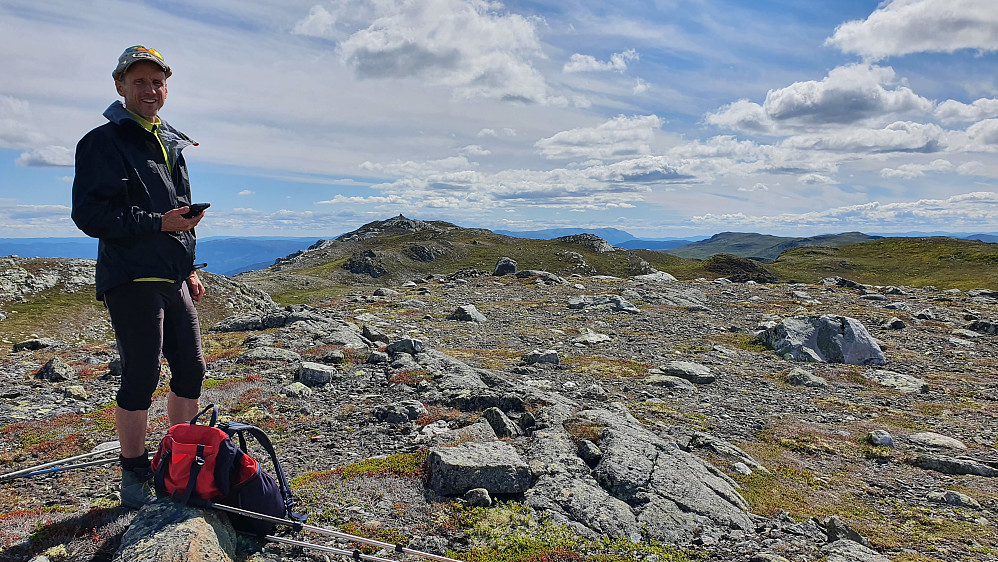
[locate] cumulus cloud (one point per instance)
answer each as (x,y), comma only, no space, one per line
(619,137)
(15,131)
(816,179)
(588,63)
(910,171)
(411,168)
(849,94)
(902,27)
(475,150)
(47,157)
(753,188)
(966,211)
(952,111)
(640,87)
(468,45)
(246,192)
(901,136)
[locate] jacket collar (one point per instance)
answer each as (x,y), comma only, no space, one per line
(117,114)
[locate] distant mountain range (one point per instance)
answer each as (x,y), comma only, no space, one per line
(224,256)
(232,255)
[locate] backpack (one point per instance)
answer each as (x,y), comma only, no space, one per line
(201,464)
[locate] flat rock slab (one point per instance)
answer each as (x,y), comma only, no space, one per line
(931,439)
(495,466)
(897,381)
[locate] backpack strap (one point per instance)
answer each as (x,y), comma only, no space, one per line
(233,427)
(192,480)
(214,415)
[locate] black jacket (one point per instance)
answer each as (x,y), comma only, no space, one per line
(122,188)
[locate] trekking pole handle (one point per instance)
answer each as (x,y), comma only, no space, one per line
(346,536)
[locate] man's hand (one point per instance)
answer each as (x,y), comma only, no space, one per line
(195,286)
(173,220)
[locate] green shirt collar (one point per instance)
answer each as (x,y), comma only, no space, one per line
(149,126)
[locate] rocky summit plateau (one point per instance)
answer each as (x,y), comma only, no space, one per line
(533,402)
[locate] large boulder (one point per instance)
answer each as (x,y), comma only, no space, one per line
(495,466)
(823,339)
(165,531)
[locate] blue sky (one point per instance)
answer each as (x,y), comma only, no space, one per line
(662,118)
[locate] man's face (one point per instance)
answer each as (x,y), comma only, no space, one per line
(144,89)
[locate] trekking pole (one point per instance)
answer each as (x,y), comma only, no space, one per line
(356,555)
(345,536)
(107,447)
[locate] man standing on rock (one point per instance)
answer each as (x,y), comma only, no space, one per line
(131,191)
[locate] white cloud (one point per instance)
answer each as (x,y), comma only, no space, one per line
(849,94)
(903,27)
(754,188)
(246,192)
(952,111)
(619,137)
(588,63)
(475,150)
(15,131)
(983,136)
(910,171)
(966,211)
(411,168)
(640,87)
(471,46)
(816,179)
(901,136)
(47,157)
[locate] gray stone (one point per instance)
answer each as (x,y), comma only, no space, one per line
(478,497)
(898,381)
(592,338)
(377,357)
(926,314)
(669,381)
(545,276)
(656,277)
(478,432)
(837,530)
(955,498)
(35,344)
(408,345)
(741,468)
(501,424)
(385,292)
(937,440)
(831,339)
(803,377)
(467,313)
(549,356)
(297,390)
(504,266)
(720,447)
(845,550)
(316,374)
(983,327)
(894,323)
(374,334)
(403,412)
(495,466)
(56,370)
(880,438)
(952,465)
(171,532)
(76,392)
(693,372)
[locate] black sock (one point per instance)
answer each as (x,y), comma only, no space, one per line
(141,461)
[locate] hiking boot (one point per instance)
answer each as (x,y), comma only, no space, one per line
(136,487)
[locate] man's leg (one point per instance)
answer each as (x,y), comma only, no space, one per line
(131,431)
(181,410)
(136,311)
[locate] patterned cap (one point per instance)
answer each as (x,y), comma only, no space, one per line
(135,54)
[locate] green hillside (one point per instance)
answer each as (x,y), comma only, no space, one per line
(761,246)
(938,261)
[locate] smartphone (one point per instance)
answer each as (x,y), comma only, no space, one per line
(195,210)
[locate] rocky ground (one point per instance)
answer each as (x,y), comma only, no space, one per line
(640,408)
